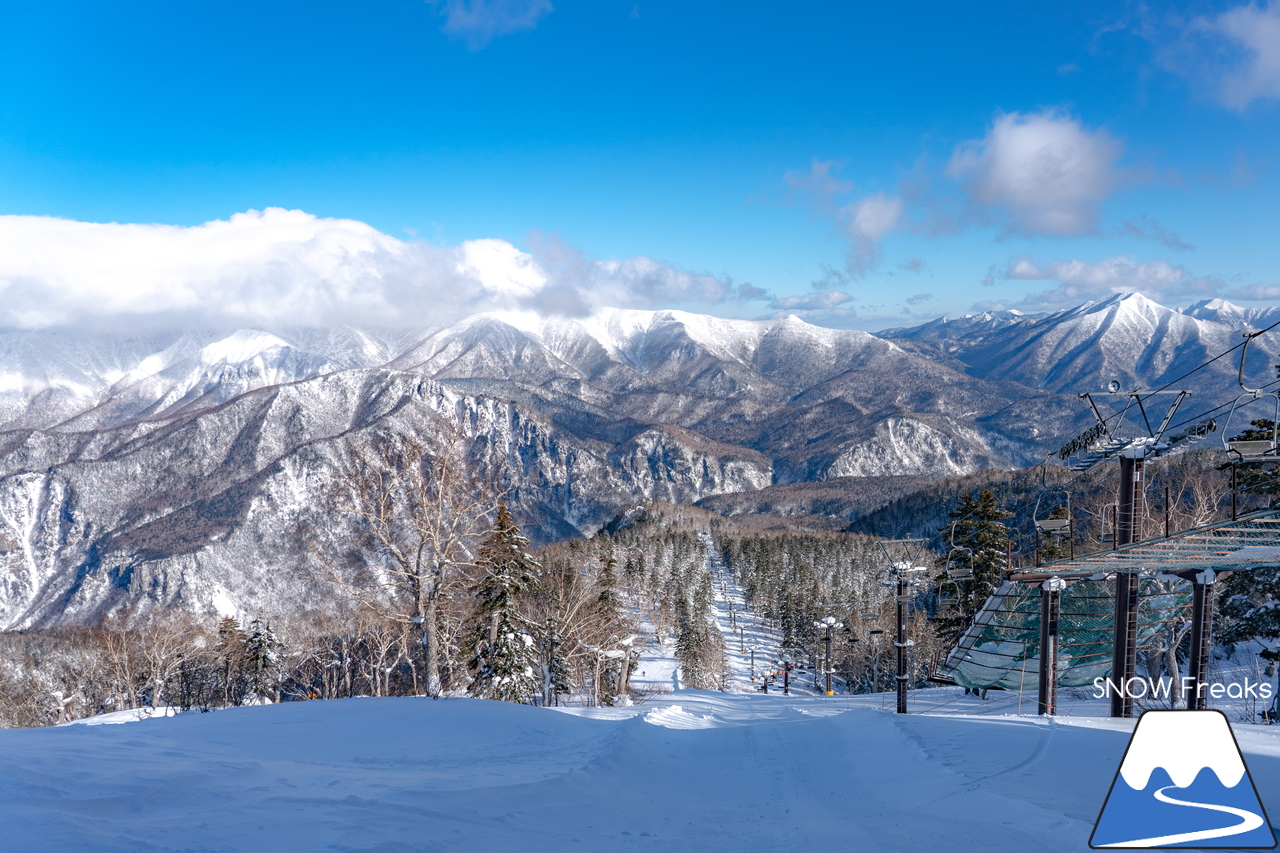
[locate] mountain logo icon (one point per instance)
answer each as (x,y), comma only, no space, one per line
(1183,783)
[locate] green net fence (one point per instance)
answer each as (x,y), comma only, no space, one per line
(1002,647)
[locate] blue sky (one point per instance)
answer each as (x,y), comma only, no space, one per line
(856,164)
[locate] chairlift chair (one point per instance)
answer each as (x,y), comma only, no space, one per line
(1252,450)
(1050,526)
(1109,520)
(958,570)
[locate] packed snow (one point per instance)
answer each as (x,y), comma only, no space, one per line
(677,770)
(685,771)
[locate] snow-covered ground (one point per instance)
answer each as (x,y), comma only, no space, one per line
(681,770)
(686,771)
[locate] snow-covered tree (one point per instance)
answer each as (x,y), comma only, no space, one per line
(418,506)
(503,652)
(230,650)
(554,665)
(699,644)
(1250,608)
(976,533)
(262,655)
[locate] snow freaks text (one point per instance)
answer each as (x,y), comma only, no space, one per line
(1160,688)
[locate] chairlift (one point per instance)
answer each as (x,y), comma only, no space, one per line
(1049,526)
(958,570)
(1252,450)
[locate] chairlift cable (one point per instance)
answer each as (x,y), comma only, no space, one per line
(1202,415)
(1218,356)
(1202,366)
(1023,505)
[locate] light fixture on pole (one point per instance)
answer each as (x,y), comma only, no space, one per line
(829,623)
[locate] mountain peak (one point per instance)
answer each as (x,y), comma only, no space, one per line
(240,346)
(1214,304)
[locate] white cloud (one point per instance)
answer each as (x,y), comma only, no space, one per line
(867,221)
(1046,173)
(818,181)
(873,216)
(1116,273)
(1237,52)
(288,268)
(823,301)
(479,22)
(1081,281)
(1259,292)
(824,309)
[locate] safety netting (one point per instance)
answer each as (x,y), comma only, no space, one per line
(1002,646)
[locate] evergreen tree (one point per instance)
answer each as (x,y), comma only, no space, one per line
(230,651)
(504,657)
(555,668)
(614,672)
(1251,612)
(976,530)
(699,645)
(261,659)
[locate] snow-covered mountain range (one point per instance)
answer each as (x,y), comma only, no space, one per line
(1128,338)
(179,468)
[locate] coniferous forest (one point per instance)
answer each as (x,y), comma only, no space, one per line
(489,615)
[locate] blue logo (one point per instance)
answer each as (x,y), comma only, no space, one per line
(1183,783)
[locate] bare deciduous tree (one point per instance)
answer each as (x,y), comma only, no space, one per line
(419,506)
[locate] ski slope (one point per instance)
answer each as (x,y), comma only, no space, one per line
(689,771)
(658,670)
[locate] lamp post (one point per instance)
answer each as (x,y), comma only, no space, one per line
(902,572)
(829,623)
(752,649)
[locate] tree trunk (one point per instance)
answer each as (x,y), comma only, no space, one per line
(346,667)
(431,645)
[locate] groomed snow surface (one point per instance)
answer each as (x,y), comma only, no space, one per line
(690,770)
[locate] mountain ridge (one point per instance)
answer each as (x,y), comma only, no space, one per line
(174,469)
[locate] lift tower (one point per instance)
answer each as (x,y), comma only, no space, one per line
(1127,434)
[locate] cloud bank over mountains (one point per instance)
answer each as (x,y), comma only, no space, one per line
(1082,281)
(289,268)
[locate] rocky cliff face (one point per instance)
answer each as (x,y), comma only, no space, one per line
(182,468)
(206,510)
